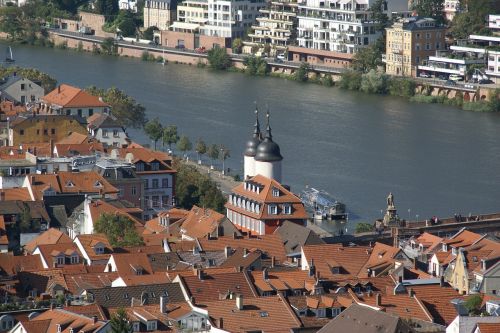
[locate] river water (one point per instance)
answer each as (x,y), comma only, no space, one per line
(437,160)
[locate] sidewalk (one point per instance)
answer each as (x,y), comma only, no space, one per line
(226,183)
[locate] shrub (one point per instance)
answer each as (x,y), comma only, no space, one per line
(302,74)
(218,58)
(255,66)
(427,99)
(350,80)
(363,227)
(374,82)
(79,48)
(327,80)
(402,87)
(479,106)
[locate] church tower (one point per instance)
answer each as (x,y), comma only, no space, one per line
(268,157)
(251,149)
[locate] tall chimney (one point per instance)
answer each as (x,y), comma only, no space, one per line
(227,251)
(163,304)
(441,281)
(273,261)
(411,293)
(59,89)
(221,323)
(94,320)
(245,252)
(265,275)
(239,301)
(378,299)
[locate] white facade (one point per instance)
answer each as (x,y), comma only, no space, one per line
(257,227)
(249,166)
(270,170)
(128,5)
(231,18)
(451,8)
(193,11)
(21,90)
(158,13)
(111,137)
(158,192)
(494,22)
(340,25)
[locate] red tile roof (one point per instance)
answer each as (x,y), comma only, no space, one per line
(51,236)
(71,97)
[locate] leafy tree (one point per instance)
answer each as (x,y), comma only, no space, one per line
(11,21)
(237,45)
(195,188)
(169,136)
(431,8)
(366,59)
(255,65)
(109,47)
(108,8)
(154,130)
(123,107)
(224,155)
(302,73)
(149,33)
(350,80)
(403,87)
(213,153)
(184,144)
(127,27)
(374,82)
(494,102)
(48,83)
(473,20)
(69,5)
(363,227)
(218,58)
(473,304)
(119,229)
(201,149)
(120,322)
(379,15)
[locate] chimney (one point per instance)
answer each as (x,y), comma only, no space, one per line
(249,234)
(411,293)
(239,269)
(265,275)
(414,263)
(94,320)
(378,299)
(51,148)
(163,304)
(199,273)
(227,251)
(273,261)
(441,281)
(245,252)
(400,279)
(59,89)
(52,305)
(239,301)
(2,196)
(209,237)
(235,235)
(54,264)
(312,269)
(221,323)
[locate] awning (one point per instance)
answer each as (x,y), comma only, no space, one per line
(361,2)
(342,2)
(184,25)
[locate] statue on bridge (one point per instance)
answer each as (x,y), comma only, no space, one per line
(390,200)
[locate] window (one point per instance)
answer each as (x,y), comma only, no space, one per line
(146,184)
(60,260)
(52,131)
(136,327)
(287,209)
(99,250)
(156,201)
(104,133)
(75,259)
(37,132)
(155,183)
(428,36)
(273,209)
(79,112)
(133,191)
(164,182)
(276,192)
(115,133)
(139,167)
(21,132)
(165,201)
(91,112)
(45,132)
(151,325)
(155,166)
(23,86)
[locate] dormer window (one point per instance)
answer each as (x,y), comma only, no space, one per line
(287,209)
(97,184)
(58,328)
(60,260)
(155,166)
(445,248)
(136,326)
(75,259)
(454,251)
(69,183)
(151,326)
(335,270)
(272,209)
(139,166)
(276,192)
(99,249)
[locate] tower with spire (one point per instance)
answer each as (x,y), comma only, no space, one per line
(251,148)
(268,157)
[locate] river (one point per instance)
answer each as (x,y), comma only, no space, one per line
(437,160)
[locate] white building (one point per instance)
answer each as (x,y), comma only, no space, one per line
(231,18)
(341,25)
(451,8)
(106,129)
(128,5)
(20,90)
(159,13)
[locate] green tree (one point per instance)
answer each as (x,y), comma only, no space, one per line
(237,45)
(127,27)
(366,59)
(379,15)
(119,229)
(69,5)
(350,80)
(218,58)
(154,130)
(149,33)
(108,8)
(194,188)
(184,145)
(255,66)
(11,21)
(431,8)
(201,149)
(374,82)
(213,154)
(48,82)
(224,155)
(170,136)
(494,102)
(302,73)
(473,20)
(473,304)
(124,108)
(363,227)
(120,322)
(109,47)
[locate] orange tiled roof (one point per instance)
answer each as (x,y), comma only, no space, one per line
(99,207)
(381,255)
(51,236)
(71,97)
(19,193)
(267,314)
(129,263)
(85,148)
(430,241)
(488,327)
(74,139)
(199,222)
(19,152)
(266,197)
(291,280)
(463,238)
(49,252)
(77,282)
(11,265)
(90,241)
(144,154)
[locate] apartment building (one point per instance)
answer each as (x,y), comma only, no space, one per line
(276,25)
(231,18)
(451,8)
(159,13)
(193,12)
(341,25)
(409,42)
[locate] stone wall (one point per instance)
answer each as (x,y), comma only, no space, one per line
(95,22)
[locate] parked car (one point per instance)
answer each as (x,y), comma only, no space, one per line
(180,47)
(281,57)
(442,77)
(450,83)
(455,77)
(201,49)
(485,81)
(425,75)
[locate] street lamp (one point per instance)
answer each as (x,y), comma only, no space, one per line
(223,159)
(409,212)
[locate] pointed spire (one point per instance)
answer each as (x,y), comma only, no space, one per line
(256,132)
(268,128)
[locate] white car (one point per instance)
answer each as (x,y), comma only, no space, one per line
(455,77)
(281,57)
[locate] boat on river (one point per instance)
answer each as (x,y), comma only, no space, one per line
(323,206)
(9,58)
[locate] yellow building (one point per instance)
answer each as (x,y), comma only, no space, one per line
(409,42)
(43,128)
(159,13)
